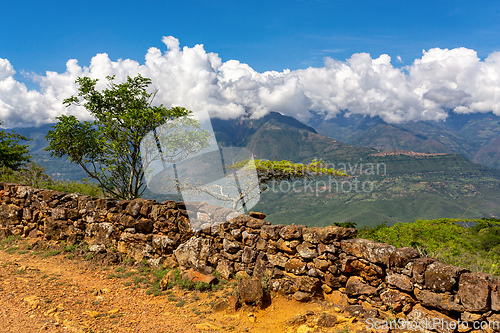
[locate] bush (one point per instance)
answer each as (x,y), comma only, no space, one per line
(34,175)
(472,244)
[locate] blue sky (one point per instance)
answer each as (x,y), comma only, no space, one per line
(268,35)
(327,56)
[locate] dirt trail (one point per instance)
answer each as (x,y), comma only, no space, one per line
(40,292)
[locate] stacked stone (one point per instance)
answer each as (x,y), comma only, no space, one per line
(292,259)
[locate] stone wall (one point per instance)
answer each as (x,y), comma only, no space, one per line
(327,263)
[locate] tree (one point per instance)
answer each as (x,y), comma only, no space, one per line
(34,175)
(13,155)
(267,172)
(108,149)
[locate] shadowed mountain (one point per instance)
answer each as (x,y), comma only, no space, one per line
(280,137)
(489,155)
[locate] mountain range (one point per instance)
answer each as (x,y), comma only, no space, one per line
(434,183)
(475,136)
(421,170)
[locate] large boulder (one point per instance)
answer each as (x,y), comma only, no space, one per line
(195,253)
(296,266)
(474,291)
(9,214)
(401,256)
(377,253)
(307,284)
(163,244)
(419,267)
(443,301)
(100,233)
(307,251)
(225,269)
(495,295)
(428,319)
(396,299)
(440,277)
(54,228)
(400,281)
(356,286)
(250,290)
(292,231)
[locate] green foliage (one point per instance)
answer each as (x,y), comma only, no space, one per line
(269,171)
(345,224)
(189,285)
(51,253)
(180,303)
(108,149)
(84,187)
(34,175)
(13,155)
(472,244)
(68,247)
(12,250)
(425,188)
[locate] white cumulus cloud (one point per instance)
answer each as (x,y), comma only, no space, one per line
(439,81)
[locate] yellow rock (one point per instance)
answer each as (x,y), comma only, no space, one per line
(367,306)
(51,312)
(304,329)
(91,313)
(32,301)
(341,319)
(206,326)
(326,288)
(337,298)
(106,290)
(114,310)
(242,274)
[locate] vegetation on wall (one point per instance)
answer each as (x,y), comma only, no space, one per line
(13,155)
(472,244)
(34,175)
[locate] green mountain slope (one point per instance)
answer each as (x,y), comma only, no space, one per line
(405,187)
(413,188)
(433,186)
(462,134)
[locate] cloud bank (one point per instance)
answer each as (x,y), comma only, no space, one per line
(439,81)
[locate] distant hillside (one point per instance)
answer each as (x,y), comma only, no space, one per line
(463,134)
(281,137)
(58,169)
(408,185)
(489,155)
(415,185)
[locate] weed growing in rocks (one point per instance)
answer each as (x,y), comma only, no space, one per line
(129,261)
(12,250)
(345,329)
(69,247)
(51,253)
